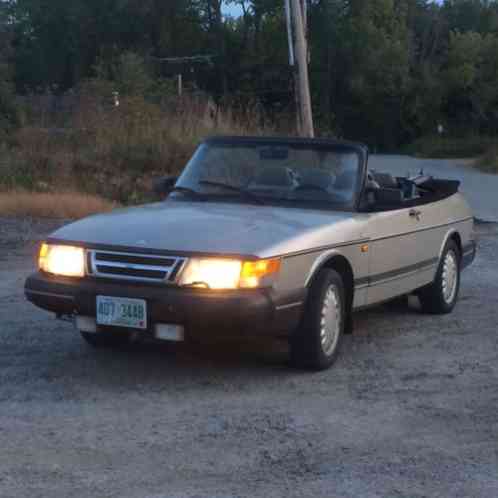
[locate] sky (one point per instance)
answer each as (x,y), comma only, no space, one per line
(232,10)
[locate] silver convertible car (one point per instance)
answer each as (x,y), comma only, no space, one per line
(284,237)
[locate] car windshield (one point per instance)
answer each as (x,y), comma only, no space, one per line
(298,173)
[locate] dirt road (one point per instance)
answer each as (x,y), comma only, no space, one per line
(409,410)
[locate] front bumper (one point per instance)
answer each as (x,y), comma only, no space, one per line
(246,312)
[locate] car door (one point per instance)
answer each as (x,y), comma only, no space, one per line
(401,259)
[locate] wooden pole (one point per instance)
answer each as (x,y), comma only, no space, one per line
(288,20)
(301,52)
(292,63)
(180,85)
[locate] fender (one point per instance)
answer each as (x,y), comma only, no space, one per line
(320,263)
(449,234)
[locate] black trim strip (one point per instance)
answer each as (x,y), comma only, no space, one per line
(376,279)
(49,294)
(407,269)
(324,248)
(360,282)
(422,229)
(367,240)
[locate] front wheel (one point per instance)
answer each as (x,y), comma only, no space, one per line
(441,296)
(315,344)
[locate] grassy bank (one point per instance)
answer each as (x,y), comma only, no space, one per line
(109,154)
(64,205)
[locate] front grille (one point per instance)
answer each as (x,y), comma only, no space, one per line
(134,267)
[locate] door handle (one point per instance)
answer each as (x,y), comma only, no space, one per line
(415,213)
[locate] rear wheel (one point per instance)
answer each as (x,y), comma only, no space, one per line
(442,295)
(315,344)
(108,340)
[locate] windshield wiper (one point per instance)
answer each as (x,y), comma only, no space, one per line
(245,193)
(187,190)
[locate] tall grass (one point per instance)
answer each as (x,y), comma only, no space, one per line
(66,205)
(115,152)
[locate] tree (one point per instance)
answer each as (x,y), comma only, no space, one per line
(9,115)
(472,81)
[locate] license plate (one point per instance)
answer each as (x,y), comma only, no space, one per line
(122,312)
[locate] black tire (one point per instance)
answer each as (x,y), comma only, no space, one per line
(435,298)
(308,348)
(108,340)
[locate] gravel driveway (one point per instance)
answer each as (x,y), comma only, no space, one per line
(409,410)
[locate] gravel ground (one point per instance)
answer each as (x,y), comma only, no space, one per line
(409,410)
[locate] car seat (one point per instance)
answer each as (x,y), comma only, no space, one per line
(274,177)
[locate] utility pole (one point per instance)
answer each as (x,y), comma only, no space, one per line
(180,85)
(298,8)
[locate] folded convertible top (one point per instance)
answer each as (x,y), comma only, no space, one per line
(443,187)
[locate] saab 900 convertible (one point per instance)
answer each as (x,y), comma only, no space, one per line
(260,236)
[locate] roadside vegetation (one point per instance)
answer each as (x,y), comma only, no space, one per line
(489,161)
(108,149)
(483,149)
(64,205)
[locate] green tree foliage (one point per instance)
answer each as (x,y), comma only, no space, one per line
(382,71)
(9,115)
(471,80)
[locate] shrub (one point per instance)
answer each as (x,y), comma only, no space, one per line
(9,112)
(489,161)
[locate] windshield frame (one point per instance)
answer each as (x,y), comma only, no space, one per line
(306,143)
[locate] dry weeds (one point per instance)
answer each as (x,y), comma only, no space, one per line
(66,205)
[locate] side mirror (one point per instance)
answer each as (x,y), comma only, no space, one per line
(163,186)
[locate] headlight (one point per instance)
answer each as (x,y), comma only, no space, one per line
(220,274)
(66,261)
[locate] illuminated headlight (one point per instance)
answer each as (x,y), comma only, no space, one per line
(211,273)
(66,261)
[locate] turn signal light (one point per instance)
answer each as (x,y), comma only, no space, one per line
(258,273)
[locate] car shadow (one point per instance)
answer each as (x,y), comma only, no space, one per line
(210,363)
(162,364)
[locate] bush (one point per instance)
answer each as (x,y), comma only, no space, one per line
(489,161)
(9,112)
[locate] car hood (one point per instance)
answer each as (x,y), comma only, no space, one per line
(217,228)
